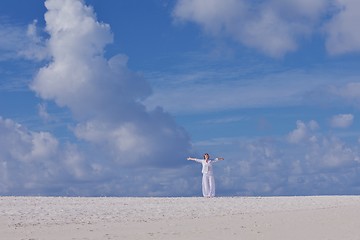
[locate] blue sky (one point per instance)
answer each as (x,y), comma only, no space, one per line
(108,98)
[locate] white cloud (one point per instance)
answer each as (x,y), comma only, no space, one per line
(26,146)
(342,120)
(321,164)
(273,27)
(349,91)
(299,133)
(21,42)
(276,27)
(42,111)
(36,163)
(302,132)
(26,158)
(342,30)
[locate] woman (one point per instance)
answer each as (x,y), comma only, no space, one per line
(208,181)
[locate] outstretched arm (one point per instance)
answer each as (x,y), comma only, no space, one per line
(194,159)
(218,159)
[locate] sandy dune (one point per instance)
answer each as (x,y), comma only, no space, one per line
(315,217)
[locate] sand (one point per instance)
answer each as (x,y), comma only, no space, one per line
(226,218)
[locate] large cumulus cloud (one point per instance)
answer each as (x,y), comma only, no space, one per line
(116,139)
(103,95)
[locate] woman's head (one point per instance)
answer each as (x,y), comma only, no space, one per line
(206,156)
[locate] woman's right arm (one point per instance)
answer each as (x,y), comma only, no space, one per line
(193,159)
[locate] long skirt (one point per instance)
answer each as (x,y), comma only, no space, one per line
(208,185)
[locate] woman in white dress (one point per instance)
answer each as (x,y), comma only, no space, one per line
(208,181)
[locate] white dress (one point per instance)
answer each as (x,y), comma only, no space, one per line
(208,181)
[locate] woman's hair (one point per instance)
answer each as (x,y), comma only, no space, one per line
(205,155)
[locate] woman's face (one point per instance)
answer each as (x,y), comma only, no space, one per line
(206,156)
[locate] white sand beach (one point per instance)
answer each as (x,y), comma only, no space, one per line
(312,217)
